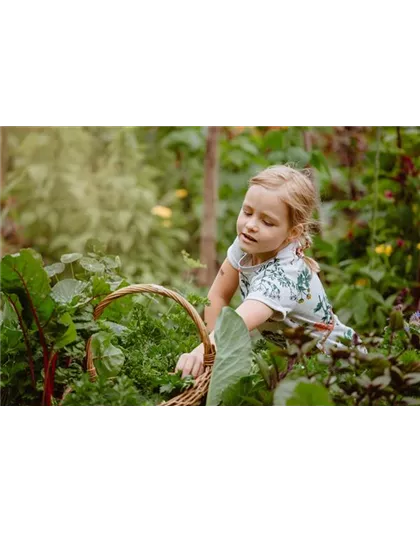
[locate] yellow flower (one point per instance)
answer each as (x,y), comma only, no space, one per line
(181,193)
(167,223)
(361,282)
(162,211)
(384,249)
(418,246)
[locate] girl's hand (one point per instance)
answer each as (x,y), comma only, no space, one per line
(191,364)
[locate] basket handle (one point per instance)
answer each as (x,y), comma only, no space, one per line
(209,349)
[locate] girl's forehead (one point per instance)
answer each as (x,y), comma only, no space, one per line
(257,196)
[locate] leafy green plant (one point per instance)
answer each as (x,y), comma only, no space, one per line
(46,322)
(67,185)
(388,374)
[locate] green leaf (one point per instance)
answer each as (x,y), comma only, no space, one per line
(376,275)
(382,381)
(240,392)
(411,401)
(412,378)
(390,300)
(70,335)
(95,246)
(342,294)
(380,317)
(8,314)
(107,358)
(274,140)
(234,354)
(301,392)
(92,265)
(375,295)
(237,157)
(65,290)
(23,274)
(54,269)
(360,306)
(246,145)
(190,138)
(264,368)
(298,155)
(310,345)
(70,258)
(100,286)
(319,161)
(112,262)
(275,157)
(10,339)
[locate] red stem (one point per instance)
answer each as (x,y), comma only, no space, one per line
(49,380)
(27,342)
(38,325)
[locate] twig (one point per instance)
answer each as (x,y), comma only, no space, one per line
(376,190)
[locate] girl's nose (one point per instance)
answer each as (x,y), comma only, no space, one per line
(250,225)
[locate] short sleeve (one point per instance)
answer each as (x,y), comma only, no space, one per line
(234,254)
(276,288)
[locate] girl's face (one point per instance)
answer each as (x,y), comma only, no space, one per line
(263,223)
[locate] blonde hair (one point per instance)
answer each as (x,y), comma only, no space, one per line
(300,196)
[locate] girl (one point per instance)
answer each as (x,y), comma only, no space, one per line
(279,285)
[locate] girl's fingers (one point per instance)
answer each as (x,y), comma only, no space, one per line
(196,369)
(181,362)
(189,363)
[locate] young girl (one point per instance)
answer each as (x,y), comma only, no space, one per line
(279,285)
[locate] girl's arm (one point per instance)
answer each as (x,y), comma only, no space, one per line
(221,293)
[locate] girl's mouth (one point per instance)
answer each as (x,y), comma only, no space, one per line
(247,238)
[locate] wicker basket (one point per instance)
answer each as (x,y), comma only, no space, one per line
(192,396)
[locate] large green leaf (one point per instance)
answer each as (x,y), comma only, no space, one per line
(64,291)
(23,274)
(108,359)
(301,392)
(234,354)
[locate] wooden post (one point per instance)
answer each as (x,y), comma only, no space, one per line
(307,140)
(208,255)
(3,155)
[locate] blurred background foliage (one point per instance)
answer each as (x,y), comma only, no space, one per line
(139,191)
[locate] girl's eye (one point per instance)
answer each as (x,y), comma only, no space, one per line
(246,213)
(268,223)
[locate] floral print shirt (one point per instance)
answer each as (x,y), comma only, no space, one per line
(287,285)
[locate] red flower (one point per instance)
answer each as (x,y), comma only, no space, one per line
(400,243)
(388,194)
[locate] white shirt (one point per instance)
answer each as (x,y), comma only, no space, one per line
(287,285)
